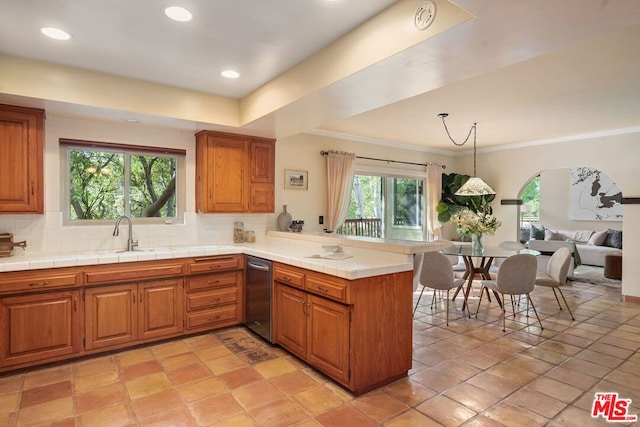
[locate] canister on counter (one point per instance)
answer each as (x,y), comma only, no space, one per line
(238,232)
(250,236)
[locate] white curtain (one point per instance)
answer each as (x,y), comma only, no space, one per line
(339,183)
(434,193)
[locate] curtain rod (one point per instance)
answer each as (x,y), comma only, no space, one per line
(326,152)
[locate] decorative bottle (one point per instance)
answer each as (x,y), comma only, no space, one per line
(284,219)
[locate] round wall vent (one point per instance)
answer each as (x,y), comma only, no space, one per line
(425,14)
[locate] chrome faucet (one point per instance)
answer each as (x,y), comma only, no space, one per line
(116,232)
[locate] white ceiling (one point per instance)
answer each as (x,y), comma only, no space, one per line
(524,70)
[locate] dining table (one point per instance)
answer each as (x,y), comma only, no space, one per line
(479,263)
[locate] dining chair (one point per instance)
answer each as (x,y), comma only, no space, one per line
(437,273)
(556,275)
(517,276)
(508,245)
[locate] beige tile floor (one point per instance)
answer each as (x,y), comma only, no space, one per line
(469,373)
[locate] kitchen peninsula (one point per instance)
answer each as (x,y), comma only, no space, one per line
(350,318)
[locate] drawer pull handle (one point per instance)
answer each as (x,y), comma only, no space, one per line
(214,300)
(33,285)
(214,317)
(321,289)
(213,282)
(215,267)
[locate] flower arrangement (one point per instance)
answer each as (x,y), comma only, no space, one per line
(481,222)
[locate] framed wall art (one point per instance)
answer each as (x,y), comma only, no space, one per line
(594,196)
(296,179)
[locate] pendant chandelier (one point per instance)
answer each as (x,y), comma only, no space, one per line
(474,186)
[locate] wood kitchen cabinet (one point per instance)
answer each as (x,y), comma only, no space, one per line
(21,160)
(39,326)
(358,332)
(120,314)
(314,329)
(234,173)
(214,294)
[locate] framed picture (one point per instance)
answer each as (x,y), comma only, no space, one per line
(295,179)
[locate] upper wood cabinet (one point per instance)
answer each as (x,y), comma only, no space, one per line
(21,160)
(234,173)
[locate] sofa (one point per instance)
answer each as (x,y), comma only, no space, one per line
(588,246)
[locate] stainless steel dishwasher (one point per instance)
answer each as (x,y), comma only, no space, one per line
(258,296)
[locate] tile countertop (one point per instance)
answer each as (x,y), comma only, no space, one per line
(368,257)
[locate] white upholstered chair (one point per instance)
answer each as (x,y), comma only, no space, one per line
(437,273)
(517,276)
(556,275)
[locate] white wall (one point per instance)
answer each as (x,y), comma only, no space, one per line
(303,152)
(555,204)
(509,170)
(45,234)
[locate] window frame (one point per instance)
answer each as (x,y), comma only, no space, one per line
(66,145)
(388,202)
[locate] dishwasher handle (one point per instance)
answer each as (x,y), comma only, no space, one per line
(258,266)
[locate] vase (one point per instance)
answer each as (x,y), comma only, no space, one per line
(284,219)
(477,243)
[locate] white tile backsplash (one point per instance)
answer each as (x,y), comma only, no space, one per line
(45,234)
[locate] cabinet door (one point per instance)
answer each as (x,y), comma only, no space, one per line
(21,160)
(262,198)
(262,162)
(290,319)
(225,175)
(160,308)
(37,327)
(111,315)
(328,337)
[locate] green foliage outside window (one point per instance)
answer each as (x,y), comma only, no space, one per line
(105,185)
(407,209)
(531,198)
(369,203)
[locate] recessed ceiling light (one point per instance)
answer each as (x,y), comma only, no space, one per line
(131,120)
(230,74)
(55,33)
(178,13)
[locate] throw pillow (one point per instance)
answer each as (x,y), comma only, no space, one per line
(537,233)
(598,238)
(614,239)
(552,235)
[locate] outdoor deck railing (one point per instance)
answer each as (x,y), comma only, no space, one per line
(367,227)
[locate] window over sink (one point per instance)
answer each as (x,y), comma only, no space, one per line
(103,181)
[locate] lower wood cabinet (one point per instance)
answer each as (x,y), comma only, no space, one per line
(213,300)
(40,326)
(315,329)
(120,314)
(358,332)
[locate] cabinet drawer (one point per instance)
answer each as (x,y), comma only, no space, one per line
(212,281)
(289,276)
(37,282)
(212,317)
(330,289)
(205,264)
(119,273)
(211,299)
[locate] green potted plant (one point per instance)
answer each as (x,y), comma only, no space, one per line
(450,205)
